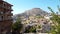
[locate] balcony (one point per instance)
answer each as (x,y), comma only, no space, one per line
(8,18)
(6,13)
(9,14)
(2,13)
(6,8)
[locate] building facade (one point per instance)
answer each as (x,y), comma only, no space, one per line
(5,16)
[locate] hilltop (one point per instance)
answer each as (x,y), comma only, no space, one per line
(32,12)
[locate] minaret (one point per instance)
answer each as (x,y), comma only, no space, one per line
(5,16)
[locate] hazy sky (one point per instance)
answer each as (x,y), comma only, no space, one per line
(19,6)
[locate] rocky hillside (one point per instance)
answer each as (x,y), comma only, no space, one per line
(31,12)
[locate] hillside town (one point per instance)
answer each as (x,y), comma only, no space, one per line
(32,21)
(43,21)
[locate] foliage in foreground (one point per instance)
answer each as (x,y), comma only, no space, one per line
(17,26)
(30,29)
(56,21)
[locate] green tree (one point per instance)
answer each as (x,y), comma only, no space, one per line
(17,26)
(30,29)
(56,21)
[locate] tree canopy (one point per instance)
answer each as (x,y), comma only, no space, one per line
(56,21)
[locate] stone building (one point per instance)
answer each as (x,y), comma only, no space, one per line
(5,16)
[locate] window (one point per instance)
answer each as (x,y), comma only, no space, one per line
(8,12)
(1,18)
(9,7)
(0,5)
(1,12)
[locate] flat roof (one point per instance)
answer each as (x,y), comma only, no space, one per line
(7,3)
